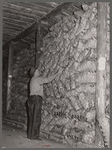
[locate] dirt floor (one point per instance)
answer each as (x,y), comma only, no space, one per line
(13,137)
(17,138)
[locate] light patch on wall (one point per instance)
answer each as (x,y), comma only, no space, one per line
(101,63)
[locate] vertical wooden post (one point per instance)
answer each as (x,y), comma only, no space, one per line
(9,79)
(38,39)
(101,71)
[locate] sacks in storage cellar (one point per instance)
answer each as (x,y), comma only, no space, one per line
(83,55)
(91,32)
(87,65)
(71,82)
(89,137)
(70,45)
(87,76)
(75,103)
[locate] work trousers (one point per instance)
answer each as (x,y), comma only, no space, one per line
(34,116)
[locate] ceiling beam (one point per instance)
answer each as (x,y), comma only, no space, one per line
(34,26)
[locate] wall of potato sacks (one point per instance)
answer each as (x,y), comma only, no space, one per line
(68,106)
(71,45)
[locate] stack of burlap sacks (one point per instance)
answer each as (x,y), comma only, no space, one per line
(71,45)
(23,61)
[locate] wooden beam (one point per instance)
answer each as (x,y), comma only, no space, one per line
(10,74)
(4,53)
(38,38)
(34,26)
(101,72)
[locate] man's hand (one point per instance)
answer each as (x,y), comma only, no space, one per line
(49,79)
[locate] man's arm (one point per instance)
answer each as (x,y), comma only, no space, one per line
(49,79)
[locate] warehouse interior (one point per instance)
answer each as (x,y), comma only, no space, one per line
(73,36)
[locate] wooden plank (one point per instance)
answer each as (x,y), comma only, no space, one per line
(53,4)
(101,73)
(17,12)
(18,17)
(37,46)
(10,74)
(8,24)
(34,7)
(11,32)
(24,9)
(22,23)
(6,27)
(6,35)
(41,4)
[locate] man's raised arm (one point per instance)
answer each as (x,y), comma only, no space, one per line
(49,79)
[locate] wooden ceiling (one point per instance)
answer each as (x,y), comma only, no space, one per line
(19,17)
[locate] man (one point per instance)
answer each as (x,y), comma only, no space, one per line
(35,102)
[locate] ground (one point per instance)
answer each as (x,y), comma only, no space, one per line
(13,137)
(17,138)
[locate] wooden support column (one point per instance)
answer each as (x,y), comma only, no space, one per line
(101,72)
(38,44)
(10,73)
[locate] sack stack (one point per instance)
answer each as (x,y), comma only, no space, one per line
(71,45)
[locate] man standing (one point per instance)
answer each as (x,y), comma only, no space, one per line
(35,102)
